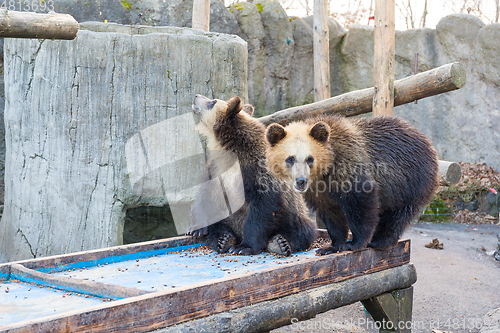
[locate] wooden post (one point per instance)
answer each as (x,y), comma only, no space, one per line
(432,82)
(201,15)
(33,25)
(392,311)
(383,70)
(321,51)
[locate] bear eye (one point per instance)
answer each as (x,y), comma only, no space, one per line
(211,104)
(310,161)
(290,161)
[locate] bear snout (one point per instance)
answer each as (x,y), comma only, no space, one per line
(301,184)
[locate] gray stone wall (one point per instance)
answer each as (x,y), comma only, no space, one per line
(102,124)
(463,124)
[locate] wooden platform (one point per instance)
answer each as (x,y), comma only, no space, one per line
(152,285)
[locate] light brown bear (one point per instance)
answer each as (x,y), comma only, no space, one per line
(273,214)
(370,175)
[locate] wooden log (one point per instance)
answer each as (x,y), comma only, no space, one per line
(321,51)
(34,25)
(304,305)
(91,288)
(432,82)
(201,15)
(383,61)
(449,173)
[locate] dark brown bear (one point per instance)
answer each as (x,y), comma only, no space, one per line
(370,175)
(273,215)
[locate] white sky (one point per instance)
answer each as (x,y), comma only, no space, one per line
(437,9)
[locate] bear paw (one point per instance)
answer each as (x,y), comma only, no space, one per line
(350,246)
(278,244)
(327,250)
(382,244)
(197,233)
(243,250)
(225,242)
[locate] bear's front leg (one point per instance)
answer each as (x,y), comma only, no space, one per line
(336,225)
(361,208)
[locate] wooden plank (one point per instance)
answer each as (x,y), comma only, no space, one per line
(33,25)
(433,82)
(161,309)
(91,288)
(383,61)
(321,50)
(269,315)
(201,15)
(95,257)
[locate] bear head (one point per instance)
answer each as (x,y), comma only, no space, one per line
(214,112)
(299,152)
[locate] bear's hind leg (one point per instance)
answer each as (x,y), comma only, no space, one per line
(391,226)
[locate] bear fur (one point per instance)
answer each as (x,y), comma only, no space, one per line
(370,175)
(273,215)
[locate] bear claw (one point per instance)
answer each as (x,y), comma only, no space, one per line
(197,233)
(278,244)
(243,250)
(225,242)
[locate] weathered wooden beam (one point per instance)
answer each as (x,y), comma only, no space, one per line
(102,256)
(383,58)
(449,173)
(34,25)
(321,51)
(392,311)
(432,82)
(201,15)
(91,288)
(169,307)
(265,316)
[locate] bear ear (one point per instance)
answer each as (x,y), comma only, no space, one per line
(275,133)
(234,106)
(320,132)
(248,109)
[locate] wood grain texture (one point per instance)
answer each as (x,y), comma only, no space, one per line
(201,15)
(162,309)
(436,81)
(383,62)
(16,24)
(450,173)
(321,51)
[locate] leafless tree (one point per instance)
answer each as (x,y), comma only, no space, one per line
(424,15)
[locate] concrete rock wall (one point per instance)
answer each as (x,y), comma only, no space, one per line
(463,124)
(92,124)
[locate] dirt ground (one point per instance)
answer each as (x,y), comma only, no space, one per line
(455,289)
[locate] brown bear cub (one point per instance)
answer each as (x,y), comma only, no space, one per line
(370,175)
(273,215)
